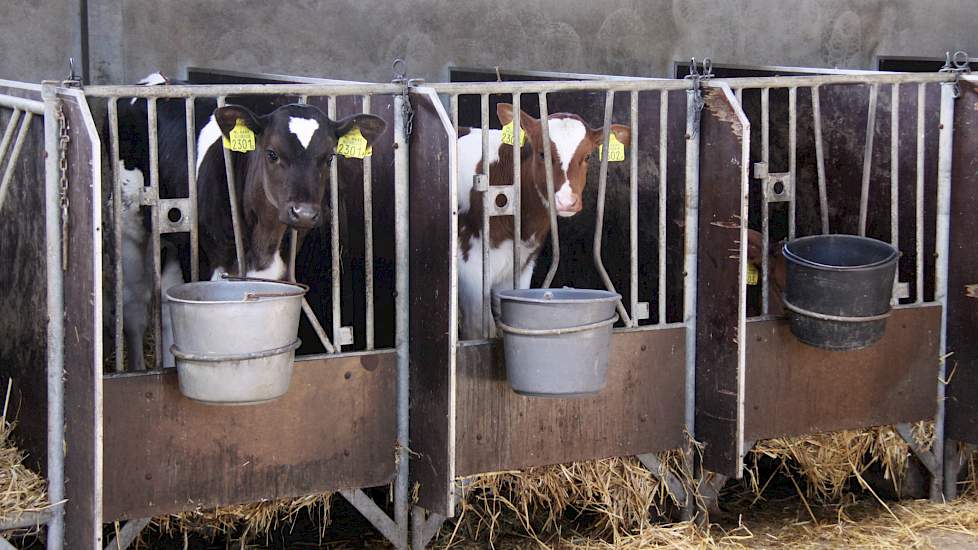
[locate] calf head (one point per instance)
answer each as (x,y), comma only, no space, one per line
(572,143)
(294,146)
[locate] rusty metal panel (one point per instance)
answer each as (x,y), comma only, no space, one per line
(794,389)
(83,330)
(719,366)
(22,267)
(432,331)
(335,429)
(962,306)
(639,411)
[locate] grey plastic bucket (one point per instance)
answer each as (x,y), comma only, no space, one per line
(556,341)
(234,340)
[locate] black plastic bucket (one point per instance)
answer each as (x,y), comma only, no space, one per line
(839,289)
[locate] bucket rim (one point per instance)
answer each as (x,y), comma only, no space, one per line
(516,295)
(298,290)
(789,255)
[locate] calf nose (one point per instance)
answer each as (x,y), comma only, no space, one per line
(303,215)
(567,202)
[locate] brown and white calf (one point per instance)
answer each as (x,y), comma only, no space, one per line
(572,143)
(280,184)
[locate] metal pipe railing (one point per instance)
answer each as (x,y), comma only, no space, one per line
(334,239)
(868,159)
(154,204)
(117,213)
(919,201)
(549,171)
(895,178)
(633,209)
(663,196)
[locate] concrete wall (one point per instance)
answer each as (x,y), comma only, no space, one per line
(358,39)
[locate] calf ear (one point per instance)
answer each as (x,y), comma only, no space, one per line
(371,126)
(623,133)
(229,115)
(505,113)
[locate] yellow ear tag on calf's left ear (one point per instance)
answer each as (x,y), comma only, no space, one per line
(353,145)
(508,135)
(616,149)
(752,274)
(240,139)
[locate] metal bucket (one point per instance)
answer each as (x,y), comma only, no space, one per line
(556,341)
(235,339)
(839,289)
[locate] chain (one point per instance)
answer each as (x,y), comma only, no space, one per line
(957,64)
(63,181)
(697,78)
(399,66)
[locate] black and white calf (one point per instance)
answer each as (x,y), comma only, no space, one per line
(280,182)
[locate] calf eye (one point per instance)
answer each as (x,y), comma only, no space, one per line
(272,156)
(542,157)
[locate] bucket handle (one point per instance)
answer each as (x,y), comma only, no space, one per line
(836,318)
(555,331)
(212,358)
(252,296)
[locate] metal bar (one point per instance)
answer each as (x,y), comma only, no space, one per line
(402,340)
(192,190)
(926,457)
(8,172)
(154,185)
(895,178)
(765,207)
(942,253)
(27,520)
(334,238)
(368,238)
(487,324)
(609,105)
(233,199)
(55,314)
(792,159)
(317,326)
(222,90)
(369,509)
(5,545)
(128,534)
(663,196)
(674,485)
(827,79)
(690,268)
(548,170)
(868,159)
(517,192)
(22,104)
(8,133)
(919,202)
(117,235)
(740,96)
(294,233)
(633,210)
(823,197)
(423,530)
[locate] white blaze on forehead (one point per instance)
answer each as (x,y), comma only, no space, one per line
(303,128)
(566,134)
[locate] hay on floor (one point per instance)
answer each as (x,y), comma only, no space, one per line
(21,489)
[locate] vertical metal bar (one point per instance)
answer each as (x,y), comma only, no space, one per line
(8,133)
(294,233)
(235,207)
(739,92)
(765,208)
(663,195)
(868,159)
(113,105)
(823,197)
(8,172)
(517,193)
(895,177)
(941,267)
(55,324)
(192,190)
(368,238)
(154,185)
(919,203)
(402,340)
(633,211)
(334,237)
(690,268)
(609,105)
(548,170)
(487,324)
(792,158)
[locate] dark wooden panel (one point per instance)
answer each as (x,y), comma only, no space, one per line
(794,389)
(23,319)
(431,278)
(962,306)
(641,410)
(83,336)
(336,428)
(719,287)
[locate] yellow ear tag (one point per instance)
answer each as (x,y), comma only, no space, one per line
(353,145)
(241,138)
(616,149)
(752,274)
(508,135)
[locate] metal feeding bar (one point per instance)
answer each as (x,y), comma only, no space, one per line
(153,202)
(549,171)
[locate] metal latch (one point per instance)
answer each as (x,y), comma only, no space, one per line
(777,186)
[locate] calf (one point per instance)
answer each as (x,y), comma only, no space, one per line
(280,180)
(572,143)
(778,270)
